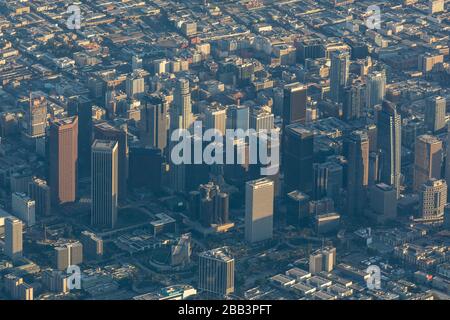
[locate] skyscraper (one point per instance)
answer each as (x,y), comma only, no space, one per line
(135,85)
(328,180)
(17,288)
(216,118)
(322,260)
(261,120)
(297,208)
(153,124)
(433,198)
(447,158)
(37,115)
(39,191)
(63,150)
(427,159)
(13,237)
(216,271)
(238,117)
(209,206)
(294,103)
(372,135)
(104,183)
(435,113)
(81,106)
(68,254)
(23,207)
(146,166)
(92,245)
(259,199)
(182,118)
(383,201)
(374,167)
(376,88)
(353,99)
(356,150)
(105,131)
(389,143)
(298,158)
(340,64)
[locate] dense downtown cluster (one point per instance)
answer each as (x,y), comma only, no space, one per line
(216,149)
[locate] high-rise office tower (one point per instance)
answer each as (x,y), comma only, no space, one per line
(68,254)
(447,158)
(297,208)
(63,150)
(105,131)
(383,201)
(39,191)
(372,135)
(216,271)
(446,223)
(209,205)
(56,281)
(389,143)
(13,237)
(427,159)
(216,118)
(340,64)
(294,103)
(159,66)
(135,85)
(261,120)
(309,48)
(411,130)
(153,124)
(244,72)
(356,150)
(375,88)
(238,117)
(104,183)
(17,288)
(37,115)
(92,245)
(146,167)
(433,198)
(23,207)
(259,199)
(81,106)
(374,167)
(298,158)
(322,260)
(111,102)
(429,61)
(435,113)
(182,118)
(353,100)
(328,180)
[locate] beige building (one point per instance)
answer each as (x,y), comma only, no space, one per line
(13,237)
(427,159)
(433,198)
(259,197)
(216,271)
(322,260)
(216,118)
(436,6)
